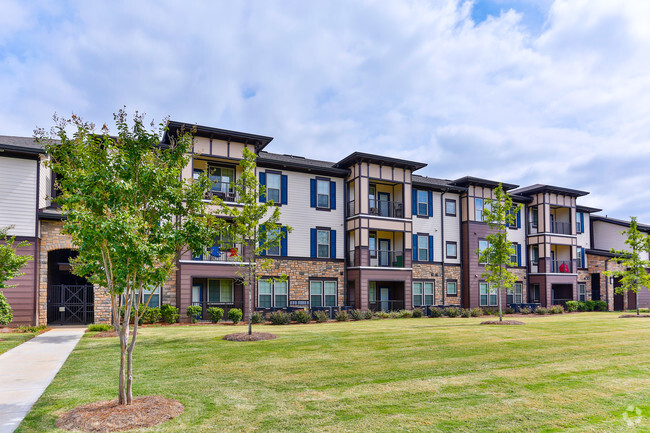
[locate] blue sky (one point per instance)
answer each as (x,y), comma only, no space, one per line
(535,91)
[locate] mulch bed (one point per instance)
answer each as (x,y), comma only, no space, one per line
(105,334)
(505,322)
(255,336)
(108,416)
(629,316)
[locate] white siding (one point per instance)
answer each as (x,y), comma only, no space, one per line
(608,236)
(433,227)
(519,235)
(584,239)
(18,195)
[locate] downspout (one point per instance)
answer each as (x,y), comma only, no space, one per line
(442,242)
(460,237)
(607,285)
(37,249)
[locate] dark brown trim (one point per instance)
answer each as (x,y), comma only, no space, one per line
(447,243)
(451,200)
(446,289)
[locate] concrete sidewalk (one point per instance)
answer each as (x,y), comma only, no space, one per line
(27,370)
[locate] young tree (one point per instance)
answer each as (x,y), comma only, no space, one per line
(129,212)
(10,265)
(499,213)
(255,225)
(635,275)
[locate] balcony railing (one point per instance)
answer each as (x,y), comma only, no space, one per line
(228,253)
(350,258)
(561,228)
(561,266)
(392,209)
(223,190)
(350,208)
(387,258)
(389,305)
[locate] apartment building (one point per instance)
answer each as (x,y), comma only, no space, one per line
(367,232)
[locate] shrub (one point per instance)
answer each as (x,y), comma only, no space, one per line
(257,318)
(417,312)
(541,311)
(341,316)
(356,315)
(525,310)
(367,315)
(193,312)
(99,327)
(280,318)
(405,314)
(151,315)
(476,312)
(590,305)
(321,316)
(38,328)
(488,311)
(235,315)
(215,314)
(464,312)
(572,306)
(600,305)
(169,313)
(382,315)
(6,313)
(556,309)
(393,314)
(436,312)
(301,316)
(452,312)
(509,310)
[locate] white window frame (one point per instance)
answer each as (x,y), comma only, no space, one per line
(326,183)
(425,249)
(514,257)
(324,290)
(425,291)
(276,249)
(449,201)
(480,250)
(579,258)
(515,294)
(270,189)
(145,296)
(319,244)
(455,285)
(425,203)
(582,291)
(277,290)
(455,246)
(490,292)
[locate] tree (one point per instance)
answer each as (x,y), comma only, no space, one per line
(635,275)
(10,265)
(255,225)
(129,212)
(499,213)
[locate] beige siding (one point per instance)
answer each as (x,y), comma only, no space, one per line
(45,186)
(608,236)
(18,195)
(433,227)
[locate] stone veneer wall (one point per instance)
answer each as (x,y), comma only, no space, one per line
(169,291)
(299,272)
(584,278)
(598,265)
(433,272)
(522,276)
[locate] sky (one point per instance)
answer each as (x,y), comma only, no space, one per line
(524,92)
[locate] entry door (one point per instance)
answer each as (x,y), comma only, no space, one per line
(384,205)
(384,252)
(384,296)
(595,287)
(197,294)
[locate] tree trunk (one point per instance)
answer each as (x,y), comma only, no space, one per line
(129,364)
(636,294)
(122,390)
(250,294)
(499,295)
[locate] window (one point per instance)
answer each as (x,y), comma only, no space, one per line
(580,257)
(322,193)
(482,246)
(515,223)
(273,186)
(372,292)
(372,198)
(580,218)
(273,236)
(452,250)
(514,256)
(423,248)
(423,203)
(487,295)
(478,209)
(515,294)
(582,292)
(322,293)
(534,254)
(450,207)
(221,178)
(534,217)
(155,298)
(323,244)
(452,288)
(220,291)
(272,294)
(423,293)
(372,244)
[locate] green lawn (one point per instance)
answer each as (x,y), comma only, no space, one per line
(575,372)
(10,340)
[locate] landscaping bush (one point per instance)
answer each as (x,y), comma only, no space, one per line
(541,311)
(436,312)
(417,312)
(356,315)
(556,309)
(6,313)
(193,312)
(590,305)
(151,315)
(509,310)
(476,312)
(169,313)
(341,316)
(572,306)
(382,315)
(301,316)
(600,306)
(235,315)
(280,318)
(465,312)
(367,315)
(322,316)
(393,314)
(38,328)
(404,314)
(452,312)
(525,310)
(257,318)
(99,327)
(215,314)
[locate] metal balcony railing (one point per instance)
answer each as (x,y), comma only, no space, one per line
(561,228)
(389,305)
(228,253)
(392,209)
(561,266)
(223,190)
(387,259)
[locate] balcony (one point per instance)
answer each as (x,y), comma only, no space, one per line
(350,258)
(561,266)
(387,259)
(560,227)
(384,208)
(223,191)
(219,254)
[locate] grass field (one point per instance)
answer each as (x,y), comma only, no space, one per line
(576,372)
(9,340)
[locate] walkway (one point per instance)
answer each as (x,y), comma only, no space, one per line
(26,370)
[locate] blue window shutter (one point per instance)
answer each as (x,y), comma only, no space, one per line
(518,255)
(332,195)
(312,192)
(430,197)
(262,183)
(283,193)
(263,237)
(415,247)
(415,202)
(283,242)
(333,244)
(430,248)
(584,263)
(582,222)
(519,219)
(312,242)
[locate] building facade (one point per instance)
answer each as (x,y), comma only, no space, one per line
(367,233)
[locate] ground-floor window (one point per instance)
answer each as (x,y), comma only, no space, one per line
(515,294)
(272,294)
(322,293)
(372,292)
(582,292)
(487,295)
(423,293)
(533,295)
(220,291)
(155,298)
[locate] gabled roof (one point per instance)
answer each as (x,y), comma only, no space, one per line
(276,160)
(379,159)
(435,183)
(20,144)
(538,187)
(259,141)
(470,180)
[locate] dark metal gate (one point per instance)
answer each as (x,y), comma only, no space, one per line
(70,304)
